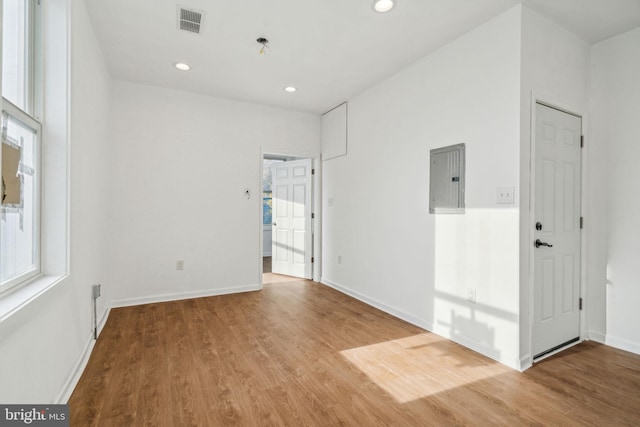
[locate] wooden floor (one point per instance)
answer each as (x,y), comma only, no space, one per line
(298,353)
(266,264)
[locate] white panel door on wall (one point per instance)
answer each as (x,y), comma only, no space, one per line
(557,230)
(291,250)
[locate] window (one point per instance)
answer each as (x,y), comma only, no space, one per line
(21,149)
(267,194)
(267,199)
(19,225)
(17,52)
(267,208)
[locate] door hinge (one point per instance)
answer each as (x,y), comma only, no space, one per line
(580,303)
(313,171)
(314,215)
(581,141)
(312,259)
(581,223)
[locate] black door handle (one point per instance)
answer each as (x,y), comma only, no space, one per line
(539,243)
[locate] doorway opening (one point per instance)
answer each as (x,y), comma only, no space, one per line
(287,228)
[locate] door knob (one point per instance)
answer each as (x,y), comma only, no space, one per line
(539,243)
(274,224)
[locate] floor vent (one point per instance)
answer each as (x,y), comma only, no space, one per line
(190,19)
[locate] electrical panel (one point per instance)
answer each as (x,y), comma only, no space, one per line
(446,179)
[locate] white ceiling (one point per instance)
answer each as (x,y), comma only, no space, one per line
(591,20)
(330,50)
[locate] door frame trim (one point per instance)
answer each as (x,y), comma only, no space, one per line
(565,107)
(316,206)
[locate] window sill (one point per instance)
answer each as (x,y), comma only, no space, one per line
(11,303)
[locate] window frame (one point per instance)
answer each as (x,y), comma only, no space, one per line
(28,121)
(32,37)
(29,117)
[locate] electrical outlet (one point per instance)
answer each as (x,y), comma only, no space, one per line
(471,295)
(504,195)
(180,265)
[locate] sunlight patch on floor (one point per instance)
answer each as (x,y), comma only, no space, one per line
(421,365)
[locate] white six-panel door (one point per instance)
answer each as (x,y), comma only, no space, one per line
(291,247)
(556,229)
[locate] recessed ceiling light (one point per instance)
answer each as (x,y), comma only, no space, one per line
(182,66)
(290,89)
(383,5)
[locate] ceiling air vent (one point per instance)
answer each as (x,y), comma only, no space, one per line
(190,19)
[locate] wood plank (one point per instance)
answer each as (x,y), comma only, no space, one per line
(300,353)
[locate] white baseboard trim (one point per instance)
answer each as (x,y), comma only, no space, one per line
(478,347)
(127,302)
(441,331)
(622,344)
(525,362)
(377,304)
(596,336)
(103,319)
(81,364)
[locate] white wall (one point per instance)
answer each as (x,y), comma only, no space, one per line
(42,345)
(397,256)
(615,112)
(334,132)
(555,69)
(90,160)
(181,163)
(159,175)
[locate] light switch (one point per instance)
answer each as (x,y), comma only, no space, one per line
(505,196)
